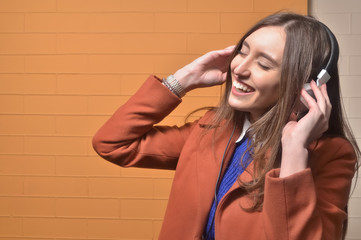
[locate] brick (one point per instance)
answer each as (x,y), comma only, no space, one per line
(89,5)
(172,119)
(166,64)
(144,172)
(355,23)
(27,6)
(87,208)
(11,144)
(121,187)
(162,188)
(55,186)
(355,110)
(349,44)
(202,43)
(11,104)
(298,6)
(6,205)
(239,22)
(355,124)
(220,6)
(154,43)
(120,22)
(27,83)
(187,22)
(156,6)
(73,43)
(12,22)
(339,23)
(105,104)
(55,104)
(56,22)
(78,125)
(24,206)
(356,187)
(27,165)
(27,43)
(121,64)
(11,185)
(85,166)
(353,231)
(206,92)
(90,149)
(131,83)
(343,65)
(355,62)
(120,229)
(10,226)
(157,225)
(350,86)
(56,63)
(80,84)
(56,145)
(355,207)
(55,227)
(193,103)
(12,64)
(121,6)
(24,238)
(23,124)
(89,43)
(335,6)
(142,209)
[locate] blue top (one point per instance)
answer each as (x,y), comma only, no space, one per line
(234,169)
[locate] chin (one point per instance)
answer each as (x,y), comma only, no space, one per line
(237,104)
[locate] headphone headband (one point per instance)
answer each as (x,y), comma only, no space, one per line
(324,75)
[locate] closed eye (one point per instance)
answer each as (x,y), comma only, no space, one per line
(264,67)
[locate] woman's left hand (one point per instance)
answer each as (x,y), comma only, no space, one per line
(297,135)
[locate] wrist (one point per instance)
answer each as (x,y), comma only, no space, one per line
(185,78)
(293,160)
(174,86)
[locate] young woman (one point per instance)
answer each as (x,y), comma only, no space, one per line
(250,168)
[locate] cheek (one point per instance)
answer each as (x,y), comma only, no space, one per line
(269,88)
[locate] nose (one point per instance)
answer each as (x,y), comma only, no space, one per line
(242,66)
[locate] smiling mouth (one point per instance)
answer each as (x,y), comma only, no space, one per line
(242,87)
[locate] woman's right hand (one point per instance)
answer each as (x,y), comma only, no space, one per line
(206,71)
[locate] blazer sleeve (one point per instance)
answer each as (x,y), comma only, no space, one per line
(130,139)
(311,204)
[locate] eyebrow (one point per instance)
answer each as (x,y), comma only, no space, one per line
(265,55)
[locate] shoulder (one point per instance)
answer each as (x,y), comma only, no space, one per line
(336,151)
(332,144)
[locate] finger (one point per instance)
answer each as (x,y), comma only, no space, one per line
(325,93)
(316,90)
(327,99)
(293,117)
(227,51)
(320,95)
(308,100)
(230,47)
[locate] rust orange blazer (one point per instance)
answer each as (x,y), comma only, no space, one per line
(307,205)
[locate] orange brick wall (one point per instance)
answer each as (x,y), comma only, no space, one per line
(65,66)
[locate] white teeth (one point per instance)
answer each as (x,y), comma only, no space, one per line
(242,87)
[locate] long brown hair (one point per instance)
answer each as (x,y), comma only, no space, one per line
(306,52)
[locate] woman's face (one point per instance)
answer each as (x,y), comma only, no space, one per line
(256,71)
